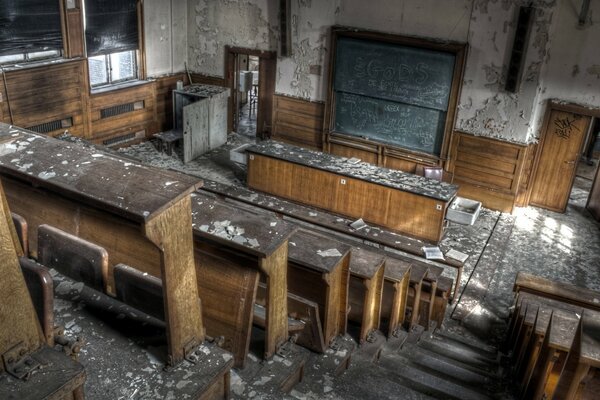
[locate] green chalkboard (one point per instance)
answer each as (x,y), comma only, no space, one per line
(405,125)
(392,93)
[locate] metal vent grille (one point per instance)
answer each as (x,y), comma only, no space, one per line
(47,127)
(121,109)
(118,140)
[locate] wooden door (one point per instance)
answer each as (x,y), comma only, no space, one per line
(266,90)
(563,135)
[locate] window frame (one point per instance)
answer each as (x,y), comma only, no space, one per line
(139,59)
(109,81)
(28,59)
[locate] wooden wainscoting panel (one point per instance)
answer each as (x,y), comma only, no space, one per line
(487,170)
(141,117)
(297,121)
(45,94)
(347,147)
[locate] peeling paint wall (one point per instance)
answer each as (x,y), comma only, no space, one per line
(485,108)
(562,60)
(444,20)
(310,22)
(165,35)
(572,70)
(214,24)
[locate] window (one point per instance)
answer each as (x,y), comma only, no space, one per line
(112,68)
(28,57)
(111,36)
(29,30)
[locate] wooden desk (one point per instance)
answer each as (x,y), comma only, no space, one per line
(366,290)
(233,246)
(407,203)
(139,214)
(318,270)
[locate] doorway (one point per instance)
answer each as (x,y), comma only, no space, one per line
(565,132)
(251,78)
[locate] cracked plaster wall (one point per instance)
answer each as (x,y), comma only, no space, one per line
(165,34)
(562,60)
(485,108)
(310,22)
(214,24)
(572,70)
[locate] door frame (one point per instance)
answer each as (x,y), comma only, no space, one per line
(267,61)
(556,105)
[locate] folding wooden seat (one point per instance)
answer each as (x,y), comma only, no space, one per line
(72,256)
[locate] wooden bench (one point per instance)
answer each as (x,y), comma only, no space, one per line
(563,292)
(546,339)
(583,361)
(23,345)
(552,355)
(384,238)
(318,270)
(366,290)
(135,212)
(395,294)
(233,247)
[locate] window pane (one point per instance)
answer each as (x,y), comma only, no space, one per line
(123,66)
(98,75)
(11,58)
(43,54)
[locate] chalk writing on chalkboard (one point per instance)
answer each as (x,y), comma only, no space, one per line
(409,126)
(392,93)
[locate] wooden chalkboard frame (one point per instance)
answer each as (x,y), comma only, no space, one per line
(459,51)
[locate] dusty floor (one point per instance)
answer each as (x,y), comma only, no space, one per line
(558,246)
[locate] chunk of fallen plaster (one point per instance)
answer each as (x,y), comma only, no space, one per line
(329,253)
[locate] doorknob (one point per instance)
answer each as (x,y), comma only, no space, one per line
(570,162)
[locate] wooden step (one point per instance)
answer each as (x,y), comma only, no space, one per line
(463,353)
(321,369)
(368,381)
(425,351)
(429,383)
(273,377)
(442,368)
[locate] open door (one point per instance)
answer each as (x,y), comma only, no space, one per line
(251,106)
(563,133)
